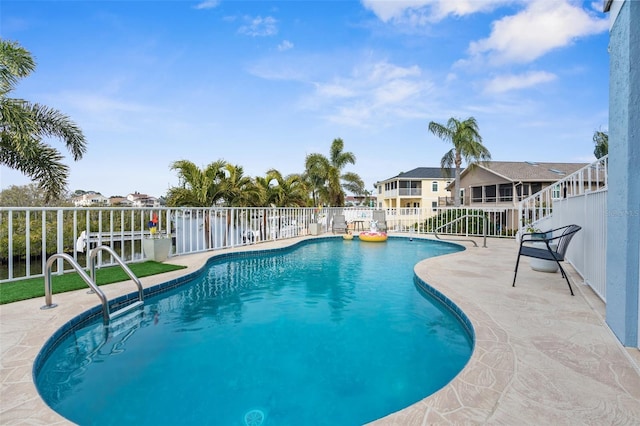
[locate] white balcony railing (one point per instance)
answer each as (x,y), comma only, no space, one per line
(403,192)
(590,178)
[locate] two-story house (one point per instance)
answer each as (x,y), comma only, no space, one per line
(506,183)
(420,188)
(142,200)
(90,199)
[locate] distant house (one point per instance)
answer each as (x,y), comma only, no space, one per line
(423,187)
(120,201)
(506,183)
(142,200)
(359,201)
(90,199)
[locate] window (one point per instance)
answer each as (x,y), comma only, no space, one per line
(434,186)
(536,187)
(555,192)
(490,194)
(476,194)
(434,205)
(506,192)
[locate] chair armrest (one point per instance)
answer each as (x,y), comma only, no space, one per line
(532,237)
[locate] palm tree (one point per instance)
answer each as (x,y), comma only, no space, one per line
(263,196)
(601,139)
(315,176)
(198,188)
(265,193)
(237,191)
(467,144)
(326,177)
(24,124)
(274,190)
(290,191)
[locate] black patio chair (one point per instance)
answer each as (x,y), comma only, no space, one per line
(561,240)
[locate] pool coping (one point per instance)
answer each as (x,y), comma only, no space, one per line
(524,375)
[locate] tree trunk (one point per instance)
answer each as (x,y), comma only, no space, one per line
(456,195)
(207,228)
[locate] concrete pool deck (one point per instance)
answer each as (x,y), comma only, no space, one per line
(541,355)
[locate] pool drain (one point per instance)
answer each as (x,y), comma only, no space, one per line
(254,418)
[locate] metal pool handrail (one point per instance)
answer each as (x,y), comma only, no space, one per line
(484,229)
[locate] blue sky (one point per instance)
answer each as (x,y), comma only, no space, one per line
(262,84)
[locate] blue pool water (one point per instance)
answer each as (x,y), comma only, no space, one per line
(331,332)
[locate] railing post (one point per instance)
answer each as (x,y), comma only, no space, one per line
(47,291)
(60,240)
(27,250)
(10,242)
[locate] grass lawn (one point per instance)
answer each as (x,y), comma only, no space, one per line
(34,287)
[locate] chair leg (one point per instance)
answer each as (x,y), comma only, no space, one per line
(564,274)
(516,272)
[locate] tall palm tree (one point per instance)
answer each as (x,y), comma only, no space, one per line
(24,124)
(467,144)
(326,177)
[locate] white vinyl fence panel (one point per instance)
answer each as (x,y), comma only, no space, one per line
(588,248)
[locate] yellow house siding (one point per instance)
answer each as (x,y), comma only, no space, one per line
(407,197)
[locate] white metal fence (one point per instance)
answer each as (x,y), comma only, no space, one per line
(584,203)
(28,236)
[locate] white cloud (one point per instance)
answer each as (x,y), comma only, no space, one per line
(396,91)
(384,71)
(543,26)
(207,4)
(373,94)
(334,91)
(99,104)
(285,45)
(421,12)
(508,82)
(259,26)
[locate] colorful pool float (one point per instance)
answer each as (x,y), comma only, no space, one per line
(373,236)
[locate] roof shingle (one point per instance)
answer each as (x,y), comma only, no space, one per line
(527,171)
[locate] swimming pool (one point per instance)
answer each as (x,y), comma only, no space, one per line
(328,332)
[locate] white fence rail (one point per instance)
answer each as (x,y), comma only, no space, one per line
(28,236)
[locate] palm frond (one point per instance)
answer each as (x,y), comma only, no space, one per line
(42,164)
(15,63)
(53,123)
